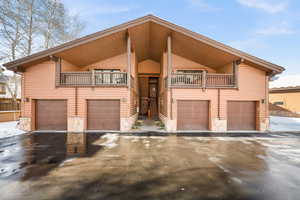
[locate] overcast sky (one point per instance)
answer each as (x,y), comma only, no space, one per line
(269,29)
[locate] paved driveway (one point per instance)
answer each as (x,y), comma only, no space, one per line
(57,166)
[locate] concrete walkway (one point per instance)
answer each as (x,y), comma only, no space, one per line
(148,125)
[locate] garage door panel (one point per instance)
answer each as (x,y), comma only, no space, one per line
(51,114)
(241,115)
(192,115)
(103,114)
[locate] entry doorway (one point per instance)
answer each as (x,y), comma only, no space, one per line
(148,98)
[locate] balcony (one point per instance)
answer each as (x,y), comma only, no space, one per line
(202,80)
(93,78)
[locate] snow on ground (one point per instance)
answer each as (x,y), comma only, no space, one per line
(8,129)
(284,123)
(111,140)
(286,81)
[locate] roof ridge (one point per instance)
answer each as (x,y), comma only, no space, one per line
(150,17)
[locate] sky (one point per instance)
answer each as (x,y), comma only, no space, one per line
(269,29)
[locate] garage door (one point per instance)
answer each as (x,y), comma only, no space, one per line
(51,114)
(103,114)
(241,115)
(192,115)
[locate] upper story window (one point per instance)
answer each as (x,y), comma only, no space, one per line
(2,88)
(109,77)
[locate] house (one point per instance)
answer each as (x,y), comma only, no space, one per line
(287,98)
(10,81)
(3,80)
(9,109)
(285,95)
(148,67)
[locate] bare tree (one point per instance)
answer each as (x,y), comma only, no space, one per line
(30,25)
(58,25)
(30,14)
(10,30)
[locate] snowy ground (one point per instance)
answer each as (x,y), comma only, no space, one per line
(8,129)
(284,123)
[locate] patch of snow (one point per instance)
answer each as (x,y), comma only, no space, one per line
(286,81)
(284,123)
(158,137)
(261,156)
(146,143)
(216,161)
(112,156)
(213,159)
(66,161)
(111,140)
(235,179)
(9,129)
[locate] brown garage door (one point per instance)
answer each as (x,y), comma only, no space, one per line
(241,115)
(192,115)
(103,114)
(51,115)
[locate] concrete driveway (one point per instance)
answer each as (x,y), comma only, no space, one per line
(60,166)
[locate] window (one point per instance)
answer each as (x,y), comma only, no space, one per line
(2,88)
(278,103)
(106,76)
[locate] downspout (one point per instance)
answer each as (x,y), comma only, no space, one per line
(76,101)
(128,45)
(169,59)
(171,108)
(267,112)
(219,99)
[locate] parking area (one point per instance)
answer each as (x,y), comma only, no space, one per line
(110,166)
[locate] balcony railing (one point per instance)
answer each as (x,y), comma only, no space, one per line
(186,79)
(219,80)
(202,80)
(92,78)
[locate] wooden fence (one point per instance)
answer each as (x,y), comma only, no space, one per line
(9,104)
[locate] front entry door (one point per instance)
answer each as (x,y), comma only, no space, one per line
(144,88)
(148,97)
(153,91)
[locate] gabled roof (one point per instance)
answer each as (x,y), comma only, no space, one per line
(285,89)
(42,55)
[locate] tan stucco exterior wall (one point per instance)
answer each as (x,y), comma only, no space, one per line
(291,100)
(116,62)
(249,90)
(148,66)
(183,63)
(226,69)
(39,83)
